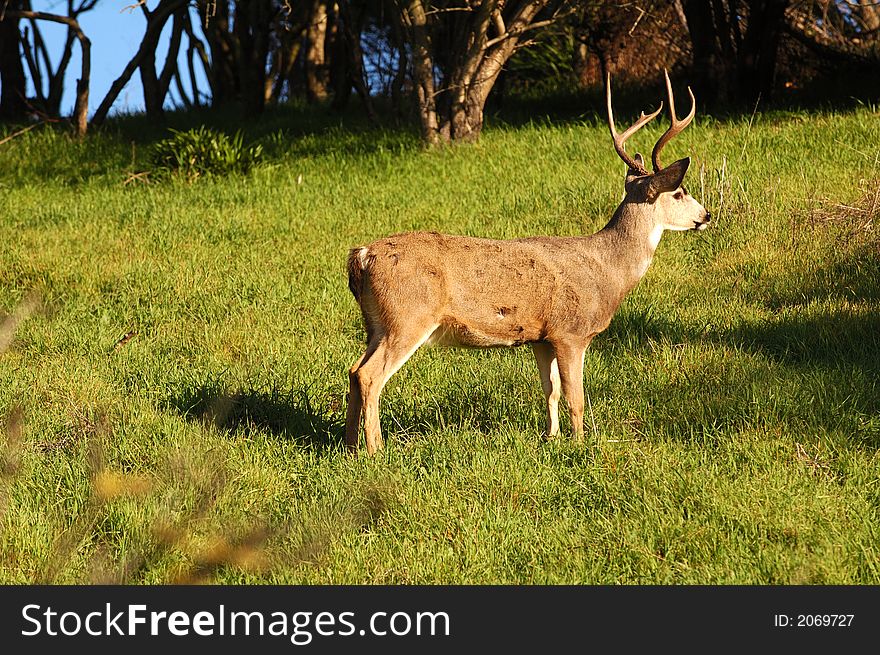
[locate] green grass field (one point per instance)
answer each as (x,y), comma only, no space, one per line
(734,403)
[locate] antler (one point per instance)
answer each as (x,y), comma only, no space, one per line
(620,139)
(677,125)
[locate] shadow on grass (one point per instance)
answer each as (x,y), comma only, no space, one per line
(854,276)
(816,360)
(279,129)
(826,316)
(809,379)
(289,414)
(838,340)
(479,405)
(636,328)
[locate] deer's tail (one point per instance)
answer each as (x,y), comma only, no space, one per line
(357,259)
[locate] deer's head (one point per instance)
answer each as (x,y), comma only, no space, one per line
(659,196)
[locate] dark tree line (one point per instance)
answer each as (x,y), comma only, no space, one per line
(437,62)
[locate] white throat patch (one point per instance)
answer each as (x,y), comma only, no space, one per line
(654,237)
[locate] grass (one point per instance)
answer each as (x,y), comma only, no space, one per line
(735,412)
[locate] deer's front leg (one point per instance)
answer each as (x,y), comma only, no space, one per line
(549,369)
(570,357)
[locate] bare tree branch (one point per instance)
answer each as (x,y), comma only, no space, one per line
(81,106)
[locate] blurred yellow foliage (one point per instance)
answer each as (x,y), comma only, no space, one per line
(109,485)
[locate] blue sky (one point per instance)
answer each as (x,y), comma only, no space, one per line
(115,32)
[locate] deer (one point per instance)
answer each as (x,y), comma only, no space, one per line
(555,293)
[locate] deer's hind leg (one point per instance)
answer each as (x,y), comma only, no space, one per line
(355,402)
(370,374)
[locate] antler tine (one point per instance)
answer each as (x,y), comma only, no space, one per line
(677,125)
(620,139)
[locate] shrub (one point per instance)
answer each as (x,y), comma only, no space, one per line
(203,151)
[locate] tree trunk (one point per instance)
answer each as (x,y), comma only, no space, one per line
(729,66)
(470,61)
(55,86)
(287,53)
(315,60)
(708,72)
(13,101)
(147,51)
(341,58)
(465,119)
(195,47)
(149,78)
(81,106)
(349,68)
(423,71)
(253,21)
(156,85)
(757,57)
(56,82)
(222,77)
(170,69)
(479,67)
(399,42)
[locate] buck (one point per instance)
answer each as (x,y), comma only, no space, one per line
(554,293)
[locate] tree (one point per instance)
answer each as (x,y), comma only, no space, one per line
(630,40)
(467,43)
(48,80)
(155,88)
(839,32)
(346,68)
(13,101)
(735,47)
(81,106)
(252,29)
(155,84)
(240,50)
(317,72)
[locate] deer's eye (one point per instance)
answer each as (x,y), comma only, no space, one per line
(678,195)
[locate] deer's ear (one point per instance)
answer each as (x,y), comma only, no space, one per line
(668,179)
(632,174)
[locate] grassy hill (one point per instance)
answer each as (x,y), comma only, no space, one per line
(734,409)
